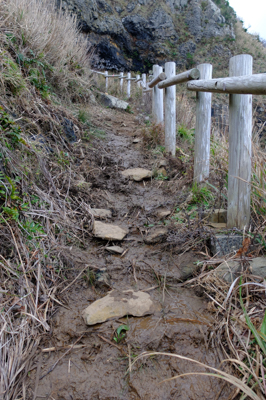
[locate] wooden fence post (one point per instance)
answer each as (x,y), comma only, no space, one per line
(106,81)
(203,128)
(157,98)
(121,81)
(128,84)
(137,78)
(170,111)
(144,80)
(240,134)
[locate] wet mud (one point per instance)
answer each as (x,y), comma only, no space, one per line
(98,368)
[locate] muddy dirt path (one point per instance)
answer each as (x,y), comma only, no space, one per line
(97,369)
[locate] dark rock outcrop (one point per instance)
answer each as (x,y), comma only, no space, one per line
(142,32)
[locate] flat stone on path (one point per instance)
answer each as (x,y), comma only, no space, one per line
(117,304)
(230,270)
(137,174)
(101,213)
(108,231)
(115,249)
(163,213)
(156,235)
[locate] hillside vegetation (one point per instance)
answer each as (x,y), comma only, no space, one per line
(44,81)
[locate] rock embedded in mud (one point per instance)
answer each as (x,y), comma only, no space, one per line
(101,213)
(117,304)
(163,163)
(137,174)
(230,270)
(156,235)
(115,249)
(108,231)
(163,213)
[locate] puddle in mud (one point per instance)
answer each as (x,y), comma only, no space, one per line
(98,370)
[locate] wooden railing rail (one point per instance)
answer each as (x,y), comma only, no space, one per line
(248,84)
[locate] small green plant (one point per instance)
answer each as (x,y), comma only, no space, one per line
(129,110)
(185,133)
(63,158)
(34,230)
(12,76)
(160,150)
(204,5)
(83,116)
(201,195)
(89,277)
(161,177)
(36,67)
(120,333)
(190,60)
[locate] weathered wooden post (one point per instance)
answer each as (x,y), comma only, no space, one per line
(106,81)
(121,81)
(128,84)
(144,80)
(137,80)
(203,128)
(240,134)
(157,97)
(170,111)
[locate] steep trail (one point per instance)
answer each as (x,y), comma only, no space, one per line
(98,368)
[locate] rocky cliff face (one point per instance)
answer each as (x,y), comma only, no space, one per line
(136,34)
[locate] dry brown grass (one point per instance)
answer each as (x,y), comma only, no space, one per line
(35,30)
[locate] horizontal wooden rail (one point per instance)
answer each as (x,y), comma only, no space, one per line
(113,76)
(192,74)
(97,72)
(159,78)
(248,84)
(147,90)
(130,79)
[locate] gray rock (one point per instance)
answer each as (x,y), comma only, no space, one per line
(102,278)
(163,213)
(112,102)
(230,270)
(119,9)
(131,7)
(149,26)
(68,129)
(156,235)
(187,271)
(108,231)
(115,249)
(118,304)
(163,163)
(101,213)
(137,174)
(137,140)
(225,244)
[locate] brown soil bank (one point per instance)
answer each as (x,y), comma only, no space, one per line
(97,367)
